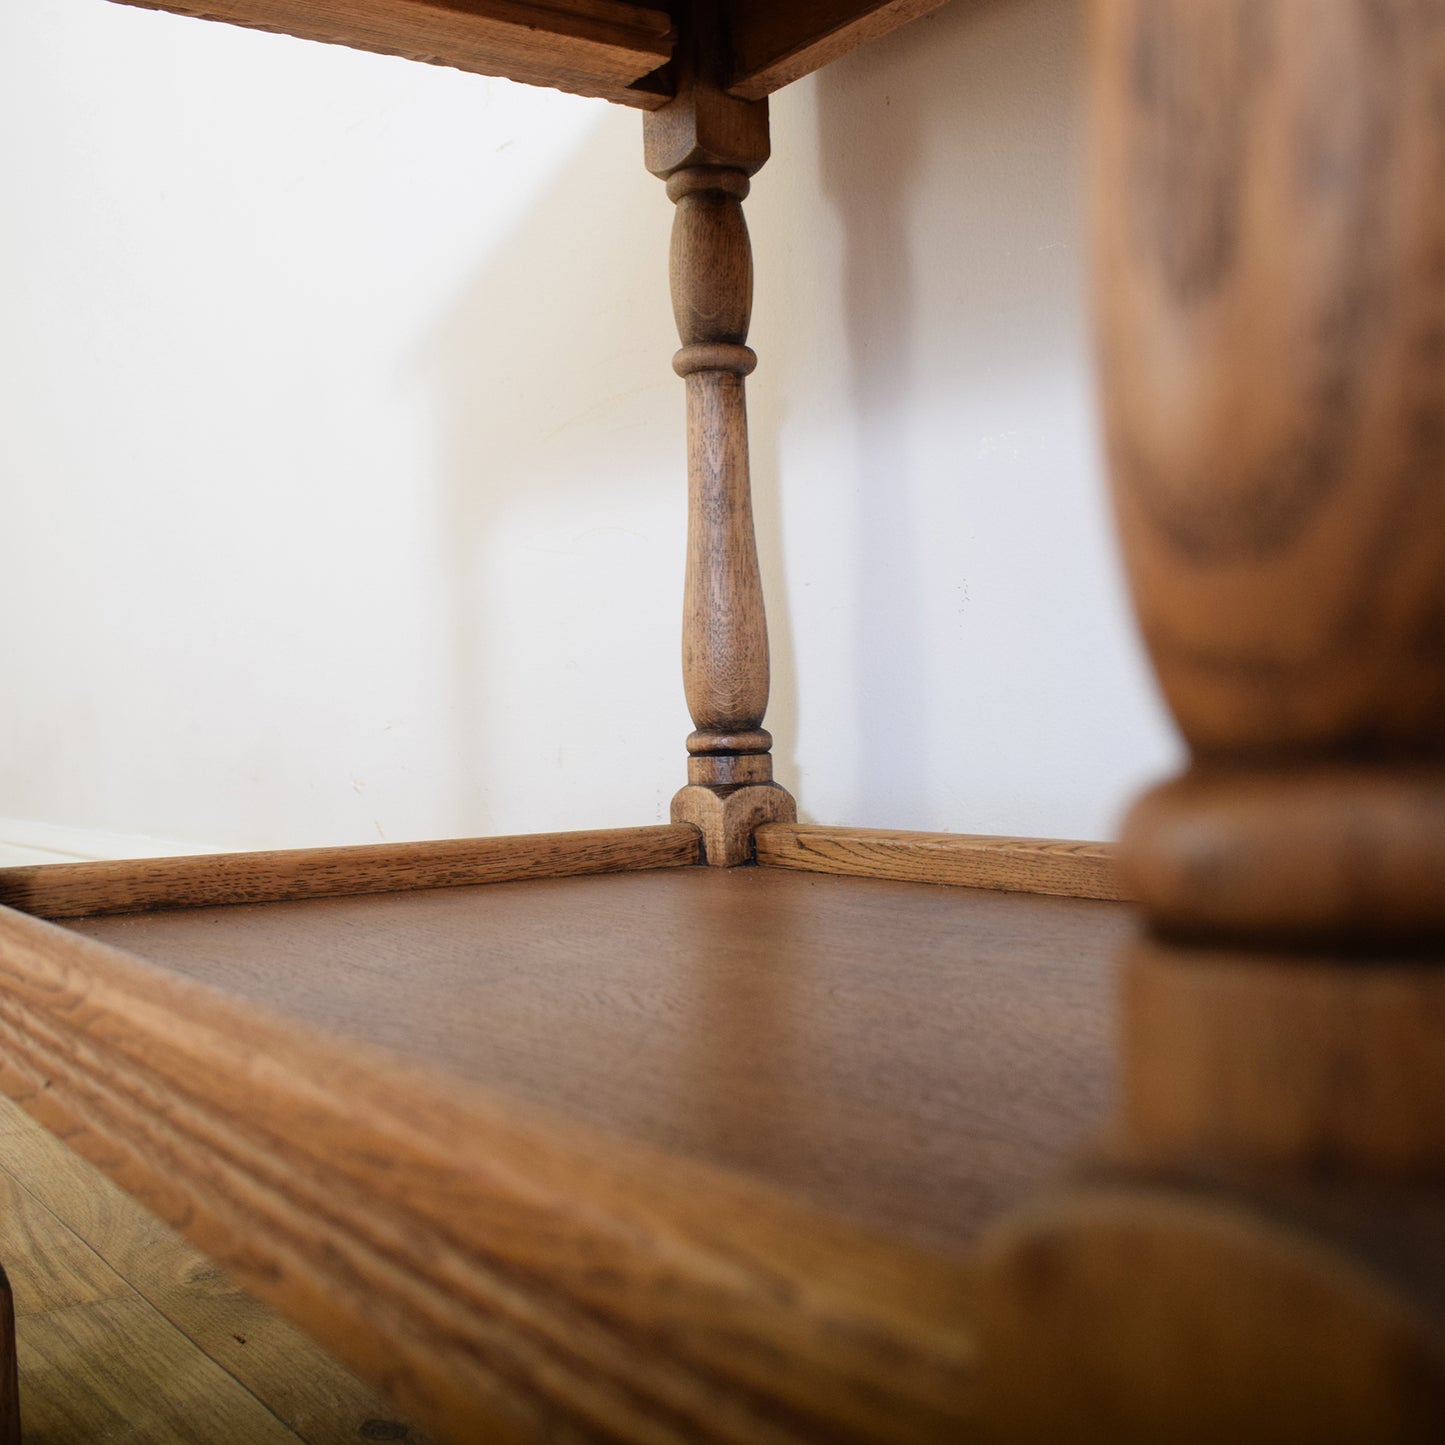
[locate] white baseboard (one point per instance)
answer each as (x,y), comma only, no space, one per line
(23,840)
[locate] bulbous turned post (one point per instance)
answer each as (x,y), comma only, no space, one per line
(1269,229)
(1269,243)
(706,145)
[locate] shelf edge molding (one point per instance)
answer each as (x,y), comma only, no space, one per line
(136,885)
(601,48)
(1021,865)
(503,1271)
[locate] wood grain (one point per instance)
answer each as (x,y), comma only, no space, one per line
(118,1371)
(1309,1063)
(960,860)
(775,44)
(51,1268)
(1269,1264)
(725,630)
(503,1268)
(134,885)
(299,1383)
(590,47)
(706,144)
(913,1058)
(98,1362)
(1338,854)
(1128,1312)
(1268,228)
(700,124)
(728,818)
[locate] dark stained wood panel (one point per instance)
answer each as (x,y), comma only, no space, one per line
(776,43)
(911,1058)
(588,47)
(510,1274)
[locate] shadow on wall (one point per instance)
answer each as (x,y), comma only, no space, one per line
(560,504)
(934,246)
(575,414)
(995,87)
(516,367)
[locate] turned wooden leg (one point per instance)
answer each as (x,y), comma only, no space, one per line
(1262,1253)
(706,145)
(9,1374)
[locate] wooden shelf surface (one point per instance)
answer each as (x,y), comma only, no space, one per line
(602,48)
(729,1135)
(914,1058)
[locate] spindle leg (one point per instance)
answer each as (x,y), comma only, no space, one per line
(706,145)
(1260,1253)
(9,1374)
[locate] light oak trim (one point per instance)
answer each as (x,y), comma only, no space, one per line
(505,1273)
(137,885)
(774,45)
(1020,865)
(588,47)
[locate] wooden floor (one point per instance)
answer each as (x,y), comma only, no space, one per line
(912,1058)
(127,1333)
(681,1107)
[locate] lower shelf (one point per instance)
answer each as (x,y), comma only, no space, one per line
(686,1154)
(914,1058)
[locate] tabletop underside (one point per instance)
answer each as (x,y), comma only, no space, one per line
(618,50)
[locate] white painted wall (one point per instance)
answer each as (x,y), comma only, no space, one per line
(342,460)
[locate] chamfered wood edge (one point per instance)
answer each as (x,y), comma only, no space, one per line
(1022,865)
(599,48)
(501,1270)
(774,45)
(137,885)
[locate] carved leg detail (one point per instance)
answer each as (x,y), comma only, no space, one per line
(1262,1257)
(706,144)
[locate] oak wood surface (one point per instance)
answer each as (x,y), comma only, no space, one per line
(1330,853)
(118,1371)
(725,631)
(776,43)
(1253,1316)
(706,145)
(729,817)
(1025,865)
(589,47)
(307,1390)
(51,1268)
(134,885)
(1309,1062)
(506,1270)
(911,1057)
(1269,228)
(97,1361)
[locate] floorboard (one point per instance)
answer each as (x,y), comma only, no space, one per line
(128,1333)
